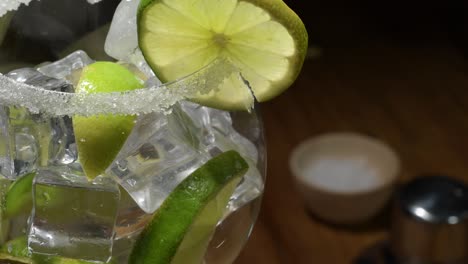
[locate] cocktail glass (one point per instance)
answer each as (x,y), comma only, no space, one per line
(49,202)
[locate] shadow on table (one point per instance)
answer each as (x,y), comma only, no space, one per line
(378,253)
(379,222)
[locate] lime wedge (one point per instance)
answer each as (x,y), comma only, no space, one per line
(181,229)
(18,198)
(100,138)
(265,39)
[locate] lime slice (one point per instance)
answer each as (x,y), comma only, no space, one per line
(18,198)
(100,138)
(181,229)
(265,39)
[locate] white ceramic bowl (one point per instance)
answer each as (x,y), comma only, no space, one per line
(345,178)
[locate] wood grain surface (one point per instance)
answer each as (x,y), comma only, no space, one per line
(412,95)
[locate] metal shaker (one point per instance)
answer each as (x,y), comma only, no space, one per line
(430,222)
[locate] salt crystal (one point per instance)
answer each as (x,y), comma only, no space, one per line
(151,99)
(342,174)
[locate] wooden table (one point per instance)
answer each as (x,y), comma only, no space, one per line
(412,96)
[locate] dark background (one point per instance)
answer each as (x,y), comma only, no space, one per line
(335,23)
(396,70)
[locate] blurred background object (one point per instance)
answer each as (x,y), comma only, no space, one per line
(430,222)
(344,178)
(341,22)
(395,70)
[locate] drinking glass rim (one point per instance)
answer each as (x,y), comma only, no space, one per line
(156,98)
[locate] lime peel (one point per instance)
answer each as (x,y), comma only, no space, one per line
(182,227)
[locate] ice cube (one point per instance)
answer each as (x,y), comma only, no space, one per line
(72,216)
(21,136)
(131,219)
(158,155)
(249,133)
(31,140)
(122,39)
(55,134)
(240,131)
(6,162)
(34,77)
(66,67)
(4,222)
(164,149)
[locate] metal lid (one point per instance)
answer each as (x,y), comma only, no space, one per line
(430,221)
(435,199)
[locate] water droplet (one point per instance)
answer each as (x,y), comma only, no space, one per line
(82,140)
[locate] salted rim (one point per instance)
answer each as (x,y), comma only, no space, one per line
(158,98)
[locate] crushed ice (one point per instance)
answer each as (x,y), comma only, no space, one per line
(151,99)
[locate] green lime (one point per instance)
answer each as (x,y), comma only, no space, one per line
(182,227)
(265,39)
(18,198)
(17,247)
(100,138)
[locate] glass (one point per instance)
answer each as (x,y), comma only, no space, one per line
(53,207)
